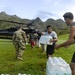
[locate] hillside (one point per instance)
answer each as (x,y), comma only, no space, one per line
(37,23)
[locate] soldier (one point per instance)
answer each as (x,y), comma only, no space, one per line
(19,39)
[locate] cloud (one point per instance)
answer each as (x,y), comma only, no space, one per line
(57,7)
(6,9)
(45,15)
(2,7)
(30,8)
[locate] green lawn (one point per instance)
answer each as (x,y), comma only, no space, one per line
(34,62)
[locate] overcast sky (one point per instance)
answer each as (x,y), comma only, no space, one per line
(30,9)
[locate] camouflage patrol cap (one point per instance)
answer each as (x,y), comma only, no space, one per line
(68,15)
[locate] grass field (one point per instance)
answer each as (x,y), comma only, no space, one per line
(34,62)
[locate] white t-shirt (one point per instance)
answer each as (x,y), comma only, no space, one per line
(44,39)
(52,34)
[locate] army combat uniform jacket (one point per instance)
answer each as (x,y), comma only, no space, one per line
(19,39)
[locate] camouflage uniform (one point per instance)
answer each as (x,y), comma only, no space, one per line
(19,39)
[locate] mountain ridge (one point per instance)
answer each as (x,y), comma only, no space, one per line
(36,23)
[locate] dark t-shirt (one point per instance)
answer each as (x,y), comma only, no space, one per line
(73,24)
(73,58)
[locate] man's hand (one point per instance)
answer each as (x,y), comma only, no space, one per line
(42,33)
(57,46)
(51,40)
